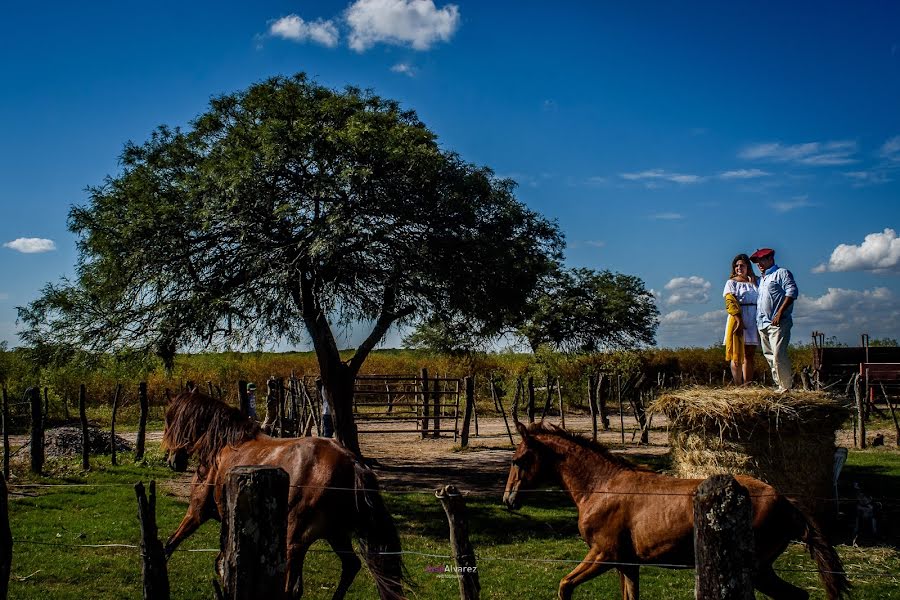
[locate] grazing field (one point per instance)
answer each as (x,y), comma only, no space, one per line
(521,554)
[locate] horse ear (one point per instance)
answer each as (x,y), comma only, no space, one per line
(522,429)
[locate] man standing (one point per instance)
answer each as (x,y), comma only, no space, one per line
(777,292)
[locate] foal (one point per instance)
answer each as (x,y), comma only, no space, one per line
(630,517)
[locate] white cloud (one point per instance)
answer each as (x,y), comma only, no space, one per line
(688,290)
(863,178)
(680,329)
(831,153)
(294,28)
(31,245)
(405,69)
(415,23)
(743,174)
(596,243)
(667,216)
(793,204)
(4,296)
(847,313)
(891,149)
(661,175)
(879,252)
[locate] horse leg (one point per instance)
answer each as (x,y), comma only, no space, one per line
(296,553)
(590,567)
(630,578)
(350,563)
(201,508)
(769,583)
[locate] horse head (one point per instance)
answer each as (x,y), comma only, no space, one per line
(528,465)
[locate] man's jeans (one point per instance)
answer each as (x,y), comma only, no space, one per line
(774,340)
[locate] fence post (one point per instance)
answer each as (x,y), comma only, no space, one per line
(153,557)
(244,398)
(252,561)
(112,428)
(562,412)
(499,401)
(467,415)
(860,409)
(723,540)
(5,434)
(425,402)
(37,430)
(142,423)
(6,542)
(530,399)
(85,440)
(463,553)
(592,404)
(601,404)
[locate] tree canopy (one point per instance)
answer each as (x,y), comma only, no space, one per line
(586,310)
(283,210)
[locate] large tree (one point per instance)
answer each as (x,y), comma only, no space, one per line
(284,211)
(585,310)
(571,310)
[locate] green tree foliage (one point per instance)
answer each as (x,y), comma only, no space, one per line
(282,211)
(583,310)
(575,310)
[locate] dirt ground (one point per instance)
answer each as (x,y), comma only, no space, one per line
(405,461)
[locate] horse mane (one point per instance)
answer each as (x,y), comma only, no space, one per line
(204,426)
(588,444)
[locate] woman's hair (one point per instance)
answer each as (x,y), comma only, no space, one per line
(746,259)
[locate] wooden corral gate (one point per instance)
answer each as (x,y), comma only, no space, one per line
(426,405)
(832,365)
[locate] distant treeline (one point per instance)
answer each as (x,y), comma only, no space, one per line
(18,370)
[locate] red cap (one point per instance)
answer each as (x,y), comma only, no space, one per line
(761,253)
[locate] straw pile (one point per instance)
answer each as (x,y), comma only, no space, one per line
(787,440)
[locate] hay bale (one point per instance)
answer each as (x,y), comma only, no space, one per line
(786,440)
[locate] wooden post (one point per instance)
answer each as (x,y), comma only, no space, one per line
(474,404)
(549,400)
(142,423)
(621,408)
(153,558)
(5,434)
(46,404)
(601,404)
(85,440)
(112,428)
(860,411)
(562,412)
(499,400)
(592,404)
(425,401)
(37,430)
(470,404)
(6,541)
(244,398)
(461,548)
(723,540)
(252,561)
(530,399)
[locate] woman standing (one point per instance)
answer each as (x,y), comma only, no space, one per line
(741,336)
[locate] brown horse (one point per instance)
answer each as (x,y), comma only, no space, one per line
(628,516)
(332,496)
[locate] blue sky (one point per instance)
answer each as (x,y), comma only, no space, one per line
(664,137)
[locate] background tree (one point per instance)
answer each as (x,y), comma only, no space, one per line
(585,310)
(283,211)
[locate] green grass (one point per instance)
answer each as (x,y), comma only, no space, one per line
(49,525)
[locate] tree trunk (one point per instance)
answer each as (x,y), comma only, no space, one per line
(339,382)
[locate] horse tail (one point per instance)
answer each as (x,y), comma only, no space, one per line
(831,569)
(378,537)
